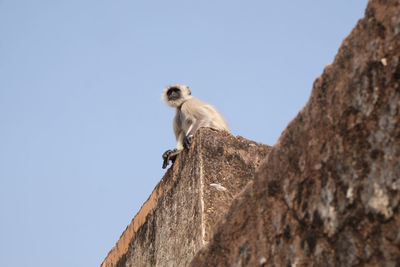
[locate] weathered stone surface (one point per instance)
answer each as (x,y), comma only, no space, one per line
(328,193)
(180,215)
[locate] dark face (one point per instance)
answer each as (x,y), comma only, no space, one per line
(174,93)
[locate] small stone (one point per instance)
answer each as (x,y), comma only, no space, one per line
(218,187)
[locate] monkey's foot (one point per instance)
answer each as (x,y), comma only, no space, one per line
(168,152)
(169,155)
(187,140)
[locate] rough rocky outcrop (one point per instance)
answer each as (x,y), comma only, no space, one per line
(180,215)
(328,193)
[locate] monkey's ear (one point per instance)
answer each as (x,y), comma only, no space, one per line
(190,93)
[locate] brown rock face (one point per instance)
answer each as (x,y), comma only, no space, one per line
(180,215)
(328,193)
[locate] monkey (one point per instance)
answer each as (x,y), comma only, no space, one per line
(191,114)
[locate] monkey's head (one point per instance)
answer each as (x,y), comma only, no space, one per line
(175,95)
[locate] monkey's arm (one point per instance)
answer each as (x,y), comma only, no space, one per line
(170,154)
(179,134)
(196,124)
(199,119)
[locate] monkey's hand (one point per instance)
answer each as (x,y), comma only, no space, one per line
(187,140)
(169,155)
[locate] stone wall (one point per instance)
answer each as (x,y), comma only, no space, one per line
(181,213)
(327,194)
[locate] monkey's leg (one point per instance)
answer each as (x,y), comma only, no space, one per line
(169,155)
(187,140)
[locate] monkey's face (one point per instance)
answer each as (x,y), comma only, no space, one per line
(174,94)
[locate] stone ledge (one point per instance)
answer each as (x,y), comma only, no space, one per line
(179,216)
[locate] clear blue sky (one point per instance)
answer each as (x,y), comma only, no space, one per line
(82,124)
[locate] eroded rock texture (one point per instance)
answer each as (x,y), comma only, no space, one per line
(328,193)
(180,215)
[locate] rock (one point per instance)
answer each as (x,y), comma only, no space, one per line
(180,215)
(328,192)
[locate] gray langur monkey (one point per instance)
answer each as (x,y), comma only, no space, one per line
(191,114)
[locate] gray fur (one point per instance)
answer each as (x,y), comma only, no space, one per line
(192,114)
